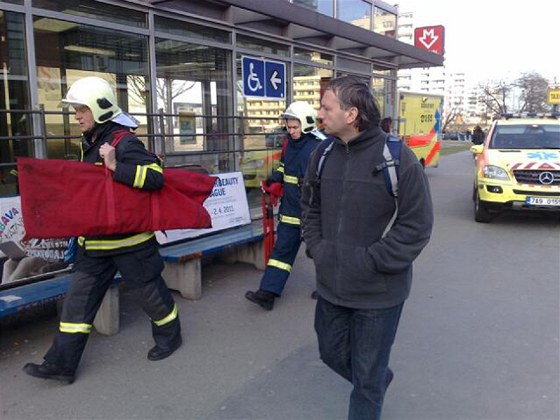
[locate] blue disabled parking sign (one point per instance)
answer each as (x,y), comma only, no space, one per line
(263,79)
(253,77)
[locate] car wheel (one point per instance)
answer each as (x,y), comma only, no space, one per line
(481,213)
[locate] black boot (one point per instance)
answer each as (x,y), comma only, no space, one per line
(262,298)
(49,371)
(158,353)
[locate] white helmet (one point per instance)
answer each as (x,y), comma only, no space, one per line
(97,94)
(303,112)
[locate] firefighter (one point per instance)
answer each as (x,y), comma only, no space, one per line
(300,122)
(135,256)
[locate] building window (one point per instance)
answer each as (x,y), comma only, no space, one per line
(356,12)
(15,125)
(384,94)
(309,83)
(191,30)
(384,22)
(325,7)
(93,10)
(67,51)
(318,58)
(262,45)
(193,89)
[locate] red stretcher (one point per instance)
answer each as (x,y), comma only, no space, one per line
(61,199)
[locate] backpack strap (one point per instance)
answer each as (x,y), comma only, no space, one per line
(390,167)
(318,134)
(392,154)
(322,151)
(118,136)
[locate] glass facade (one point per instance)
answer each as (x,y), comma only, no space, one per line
(356,12)
(193,91)
(180,76)
(384,22)
(67,51)
(325,7)
(15,119)
(93,10)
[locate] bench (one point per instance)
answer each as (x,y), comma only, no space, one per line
(182,273)
(183,260)
(20,298)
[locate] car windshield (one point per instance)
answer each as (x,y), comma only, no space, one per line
(526,136)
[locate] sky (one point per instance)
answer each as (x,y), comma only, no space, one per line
(495,39)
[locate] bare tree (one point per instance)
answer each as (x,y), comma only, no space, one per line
(449,118)
(495,95)
(167,90)
(533,92)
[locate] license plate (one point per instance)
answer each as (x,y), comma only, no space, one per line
(543,201)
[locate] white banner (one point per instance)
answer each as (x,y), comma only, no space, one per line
(13,230)
(11,220)
(227,206)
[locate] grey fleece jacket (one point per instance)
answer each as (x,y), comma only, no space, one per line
(345,214)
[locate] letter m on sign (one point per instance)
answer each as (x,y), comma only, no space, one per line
(430,38)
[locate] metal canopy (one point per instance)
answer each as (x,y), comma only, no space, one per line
(300,24)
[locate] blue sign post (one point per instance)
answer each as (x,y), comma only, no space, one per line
(263,79)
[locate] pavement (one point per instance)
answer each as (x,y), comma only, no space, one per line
(237,361)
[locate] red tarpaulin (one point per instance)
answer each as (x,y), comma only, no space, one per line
(61,198)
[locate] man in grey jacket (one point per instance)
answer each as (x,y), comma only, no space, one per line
(363,276)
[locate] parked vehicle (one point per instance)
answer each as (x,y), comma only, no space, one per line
(257,165)
(420,125)
(517,167)
(451,135)
(275,139)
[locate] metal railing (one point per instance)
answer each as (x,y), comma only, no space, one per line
(217,143)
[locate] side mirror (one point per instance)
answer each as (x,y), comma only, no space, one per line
(477,149)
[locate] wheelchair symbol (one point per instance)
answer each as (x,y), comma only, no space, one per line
(253,81)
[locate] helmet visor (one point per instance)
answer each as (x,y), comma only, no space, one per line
(127,120)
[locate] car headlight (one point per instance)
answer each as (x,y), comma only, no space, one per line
(253,164)
(495,172)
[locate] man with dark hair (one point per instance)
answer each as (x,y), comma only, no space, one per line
(478,135)
(386,124)
(363,259)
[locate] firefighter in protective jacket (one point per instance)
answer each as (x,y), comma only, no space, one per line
(302,138)
(135,256)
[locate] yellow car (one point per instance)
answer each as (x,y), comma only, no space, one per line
(257,165)
(518,167)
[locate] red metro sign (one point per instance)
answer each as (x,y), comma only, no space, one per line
(430,38)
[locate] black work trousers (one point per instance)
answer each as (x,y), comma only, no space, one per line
(141,271)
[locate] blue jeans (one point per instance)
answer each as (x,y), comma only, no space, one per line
(356,344)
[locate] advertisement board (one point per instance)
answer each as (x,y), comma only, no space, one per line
(227,206)
(12,231)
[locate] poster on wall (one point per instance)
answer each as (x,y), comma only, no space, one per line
(12,232)
(227,206)
(187,127)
